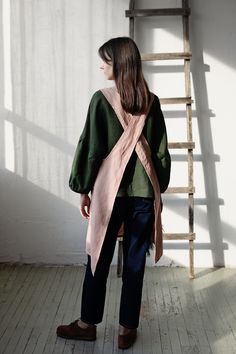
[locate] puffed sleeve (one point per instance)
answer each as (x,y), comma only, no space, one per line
(161,156)
(91,149)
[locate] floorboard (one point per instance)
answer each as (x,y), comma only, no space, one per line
(178,315)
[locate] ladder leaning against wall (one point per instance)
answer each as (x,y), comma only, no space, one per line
(187,145)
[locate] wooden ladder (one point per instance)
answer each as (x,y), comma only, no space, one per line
(188,145)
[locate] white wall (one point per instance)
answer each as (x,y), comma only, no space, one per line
(49,68)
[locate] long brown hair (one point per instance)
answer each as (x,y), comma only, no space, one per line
(123,54)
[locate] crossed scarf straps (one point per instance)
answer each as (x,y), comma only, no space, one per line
(111,173)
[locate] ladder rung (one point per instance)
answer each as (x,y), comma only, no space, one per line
(165,56)
(157,12)
(182,145)
(178,236)
(172,236)
(189,190)
(176,100)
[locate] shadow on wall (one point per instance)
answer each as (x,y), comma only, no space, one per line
(204,116)
(217,41)
(204,23)
(49,67)
(36,226)
(37,218)
(39,106)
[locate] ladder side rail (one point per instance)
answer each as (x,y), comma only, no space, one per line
(131,19)
(185,4)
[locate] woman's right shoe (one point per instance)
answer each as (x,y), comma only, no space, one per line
(127,339)
(73,331)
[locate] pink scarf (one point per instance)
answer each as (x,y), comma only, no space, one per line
(110,175)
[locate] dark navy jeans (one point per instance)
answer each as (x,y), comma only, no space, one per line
(138,216)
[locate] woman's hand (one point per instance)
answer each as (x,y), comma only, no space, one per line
(85,202)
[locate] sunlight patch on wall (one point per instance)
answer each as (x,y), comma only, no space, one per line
(47,166)
(164,40)
(7,54)
(9,147)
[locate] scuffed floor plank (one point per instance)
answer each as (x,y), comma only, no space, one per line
(178,315)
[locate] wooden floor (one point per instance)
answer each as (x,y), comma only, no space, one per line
(178,315)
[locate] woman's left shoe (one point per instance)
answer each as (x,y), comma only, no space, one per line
(74,331)
(127,338)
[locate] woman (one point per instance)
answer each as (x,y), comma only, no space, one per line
(122,158)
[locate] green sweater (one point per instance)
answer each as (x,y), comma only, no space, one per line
(101,132)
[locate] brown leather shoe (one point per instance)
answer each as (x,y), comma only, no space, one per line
(73,331)
(127,339)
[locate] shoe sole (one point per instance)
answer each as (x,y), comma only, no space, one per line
(87,339)
(125,347)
